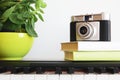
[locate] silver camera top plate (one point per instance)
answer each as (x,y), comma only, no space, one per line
(91,17)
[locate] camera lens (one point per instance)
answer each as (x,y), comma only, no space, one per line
(83,30)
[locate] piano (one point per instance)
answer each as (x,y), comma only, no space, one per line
(59,70)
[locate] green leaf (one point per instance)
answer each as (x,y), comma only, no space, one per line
(7,4)
(31,8)
(1,25)
(31,1)
(40,3)
(30,30)
(37,4)
(41,11)
(27,15)
(35,18)
(20,17)
(7,13)
(40,16)
(14,27)
(43,5)
(11,26)
(14,18)
(32,22)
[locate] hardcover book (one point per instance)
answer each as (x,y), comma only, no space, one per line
(92,55)
(90,46)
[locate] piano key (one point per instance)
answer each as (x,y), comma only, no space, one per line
(70,70)
(28,70)
(112,70)
(16,77)
(58,70)
(4,76)
(6,70)
(114,76)
(77,76)
(102,77)
(49,72)
(65,77)
(16,70)
(78,71)
(52,76)
(90,69)
(116,70)
(100,70)
(40,77)
(28,77)
(39,70)
(3,69)
(90,77)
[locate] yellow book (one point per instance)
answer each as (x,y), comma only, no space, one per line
(90,46)
(92,55)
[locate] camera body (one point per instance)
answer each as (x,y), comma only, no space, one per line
(90,28)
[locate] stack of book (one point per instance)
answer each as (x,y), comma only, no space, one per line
(91,51)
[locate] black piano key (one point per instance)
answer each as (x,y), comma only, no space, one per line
(112,70)
(58,70)
(70,70)
(9,69)
(116,70)
(39,70)
(84,69)
(28,70)
(88,70)
(3,69)
(100,70)
(16,70)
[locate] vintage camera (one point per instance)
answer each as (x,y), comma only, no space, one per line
(90,27)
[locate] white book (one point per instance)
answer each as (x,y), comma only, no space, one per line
(90,46)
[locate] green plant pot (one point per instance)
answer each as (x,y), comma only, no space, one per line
(14,46)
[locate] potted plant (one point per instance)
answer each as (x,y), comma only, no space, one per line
(17,26)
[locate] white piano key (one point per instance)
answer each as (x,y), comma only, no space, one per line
(102,77)
(77,77)
(89,76)
(28,77)
(4,77)
(40,76)
(114,77)
(53,77)
(16,77)
(65,77)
